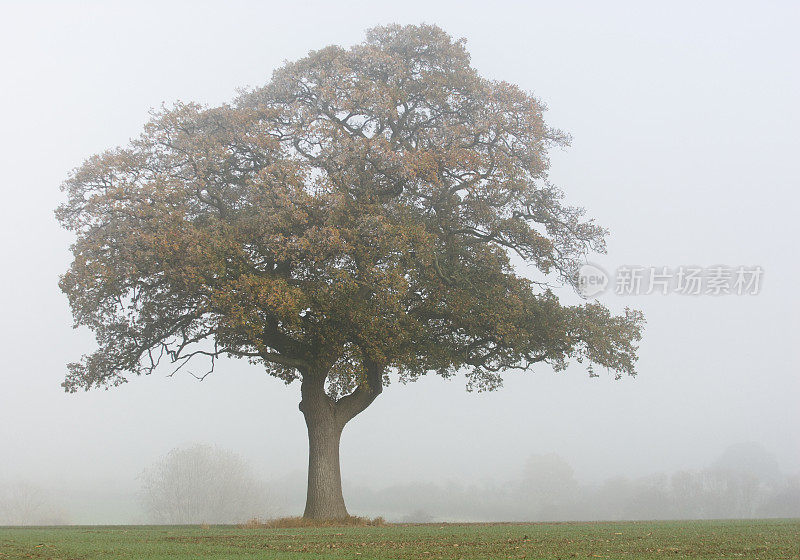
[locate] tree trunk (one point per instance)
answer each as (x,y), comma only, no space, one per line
(325,419)
(324,499)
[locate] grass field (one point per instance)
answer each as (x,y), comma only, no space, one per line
(770,539)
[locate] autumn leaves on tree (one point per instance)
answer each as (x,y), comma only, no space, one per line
(358,216)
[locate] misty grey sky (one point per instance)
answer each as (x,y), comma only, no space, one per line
(685,122)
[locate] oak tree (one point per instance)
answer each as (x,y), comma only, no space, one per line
(376,210)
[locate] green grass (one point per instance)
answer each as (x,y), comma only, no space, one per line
(768,539)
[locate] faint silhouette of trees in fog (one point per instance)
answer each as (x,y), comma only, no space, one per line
(202,484)
(23,503)
(743,482)
(206,484)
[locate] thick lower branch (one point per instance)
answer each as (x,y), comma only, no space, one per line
(356,402)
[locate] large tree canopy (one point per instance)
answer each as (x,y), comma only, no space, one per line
(361,213)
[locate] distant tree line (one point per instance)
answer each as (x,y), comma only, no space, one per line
(207,484)
(745,482)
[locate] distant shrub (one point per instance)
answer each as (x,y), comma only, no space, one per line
(202,484)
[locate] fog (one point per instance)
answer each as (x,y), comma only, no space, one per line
(684,121)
